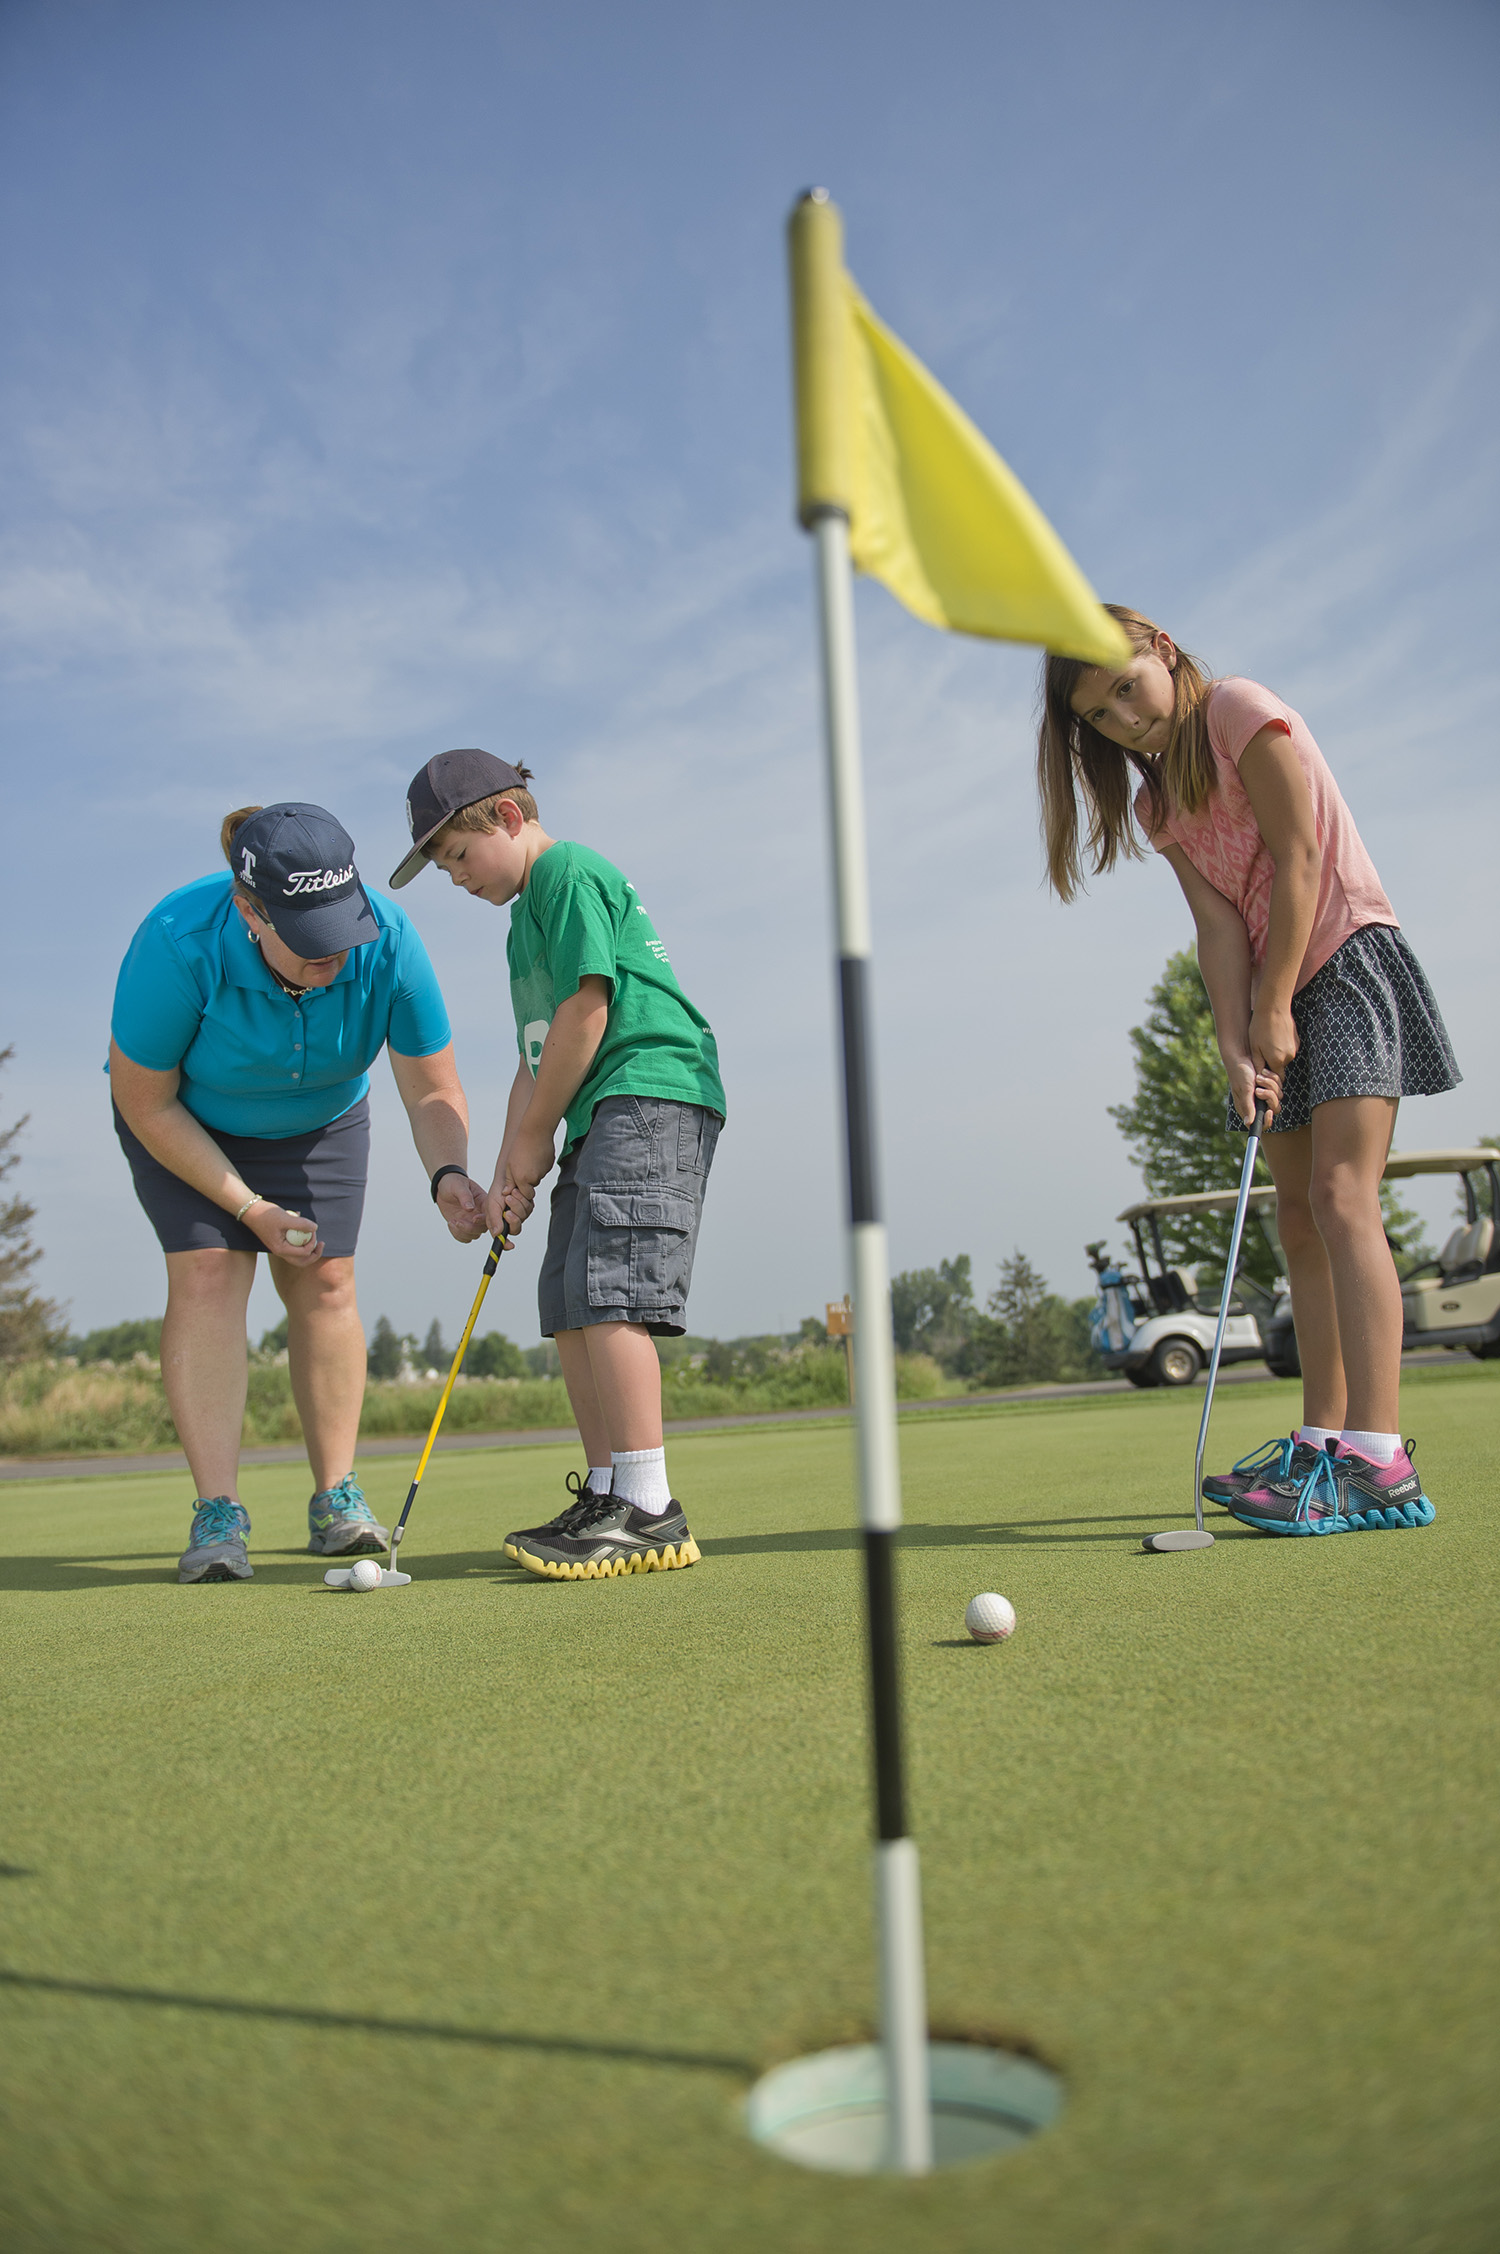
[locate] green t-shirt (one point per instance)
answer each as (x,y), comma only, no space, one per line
(578,918)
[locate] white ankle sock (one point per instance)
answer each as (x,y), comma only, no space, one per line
(641,1477)
(600,1479)
(1379,1447)
(1319,1435)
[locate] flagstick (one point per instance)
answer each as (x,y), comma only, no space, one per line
(903,1985)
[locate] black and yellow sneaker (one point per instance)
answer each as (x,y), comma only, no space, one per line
(604,1536)
(584,1499)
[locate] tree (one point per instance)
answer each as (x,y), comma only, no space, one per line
(385,1350)
(274,1341)
(29,1324)
(434,1350)
(120,1342)
(494,1355)
(932,1309)
(1176,1126)
(1028,1335)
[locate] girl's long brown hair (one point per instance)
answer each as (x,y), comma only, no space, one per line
(1087,784)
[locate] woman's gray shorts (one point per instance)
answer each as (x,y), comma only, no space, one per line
(1367,1024)
(321,1175)
(625,1217)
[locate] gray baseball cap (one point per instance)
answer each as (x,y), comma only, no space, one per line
(443,788)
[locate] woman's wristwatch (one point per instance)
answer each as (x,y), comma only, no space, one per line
(442,1170)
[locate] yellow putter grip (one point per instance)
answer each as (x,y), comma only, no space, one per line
(821,346)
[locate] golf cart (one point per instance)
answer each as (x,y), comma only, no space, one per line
(1157,1330)
(1453,1301)
(1156,1327)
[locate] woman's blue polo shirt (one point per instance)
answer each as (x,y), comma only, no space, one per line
(194,992)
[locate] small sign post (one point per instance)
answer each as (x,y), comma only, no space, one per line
(840,1318)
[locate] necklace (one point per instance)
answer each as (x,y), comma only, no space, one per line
(296,993)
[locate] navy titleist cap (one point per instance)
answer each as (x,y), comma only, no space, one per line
(443,788)
(299,863)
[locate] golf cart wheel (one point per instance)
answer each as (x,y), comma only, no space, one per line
(1282,1357)
(1488,1352)
(1141,1376)
(1176,1361)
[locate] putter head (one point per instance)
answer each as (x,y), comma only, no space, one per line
(337,1577)
(1180,1538)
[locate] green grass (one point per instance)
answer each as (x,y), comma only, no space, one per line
(481,1902)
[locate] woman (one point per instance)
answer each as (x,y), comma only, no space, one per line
(249,1009)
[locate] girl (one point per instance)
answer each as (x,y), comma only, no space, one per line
(1322,1013)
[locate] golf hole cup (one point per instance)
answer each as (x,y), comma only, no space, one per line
(990,1619)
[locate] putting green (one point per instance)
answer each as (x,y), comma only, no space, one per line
(461,1916)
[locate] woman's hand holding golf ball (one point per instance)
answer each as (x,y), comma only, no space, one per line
(287,1236)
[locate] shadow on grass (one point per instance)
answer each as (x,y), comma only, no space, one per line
(494,1567)
(299,1570)
(1122,1528)
(418,2030)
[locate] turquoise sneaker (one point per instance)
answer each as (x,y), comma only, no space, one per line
(216,1545)
(340,1523)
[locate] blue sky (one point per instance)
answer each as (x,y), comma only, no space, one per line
(382,377)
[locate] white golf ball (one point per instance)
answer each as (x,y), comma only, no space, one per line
(990,1619)
(299,1236)
(365,1574)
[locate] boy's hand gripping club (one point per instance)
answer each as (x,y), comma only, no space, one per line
(498,1244)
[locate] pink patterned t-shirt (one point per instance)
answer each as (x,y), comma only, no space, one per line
(1224,843)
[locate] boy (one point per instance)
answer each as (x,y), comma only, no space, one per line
(611,1045)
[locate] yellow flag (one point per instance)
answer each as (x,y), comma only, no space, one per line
(934,514)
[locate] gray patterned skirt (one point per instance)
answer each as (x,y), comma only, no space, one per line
(1368,1024)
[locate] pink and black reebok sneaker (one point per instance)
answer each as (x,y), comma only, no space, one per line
(1342,1493)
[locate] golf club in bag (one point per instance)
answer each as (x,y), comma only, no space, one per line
(1196,1536)
(338,1576)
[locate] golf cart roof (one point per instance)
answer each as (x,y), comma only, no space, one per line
(1401,1165)
(1199,1201)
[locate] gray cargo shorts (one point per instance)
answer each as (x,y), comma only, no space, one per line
(625,1217)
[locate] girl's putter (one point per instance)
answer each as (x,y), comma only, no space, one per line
(337,1577)
(1197,1537)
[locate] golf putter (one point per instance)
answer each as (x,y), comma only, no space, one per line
(1196,1536)
(338,1576)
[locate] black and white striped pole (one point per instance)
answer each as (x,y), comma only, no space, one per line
(820,340)
(903,1985)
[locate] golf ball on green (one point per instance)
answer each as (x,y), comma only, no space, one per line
(990,1619)
(365,1574)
